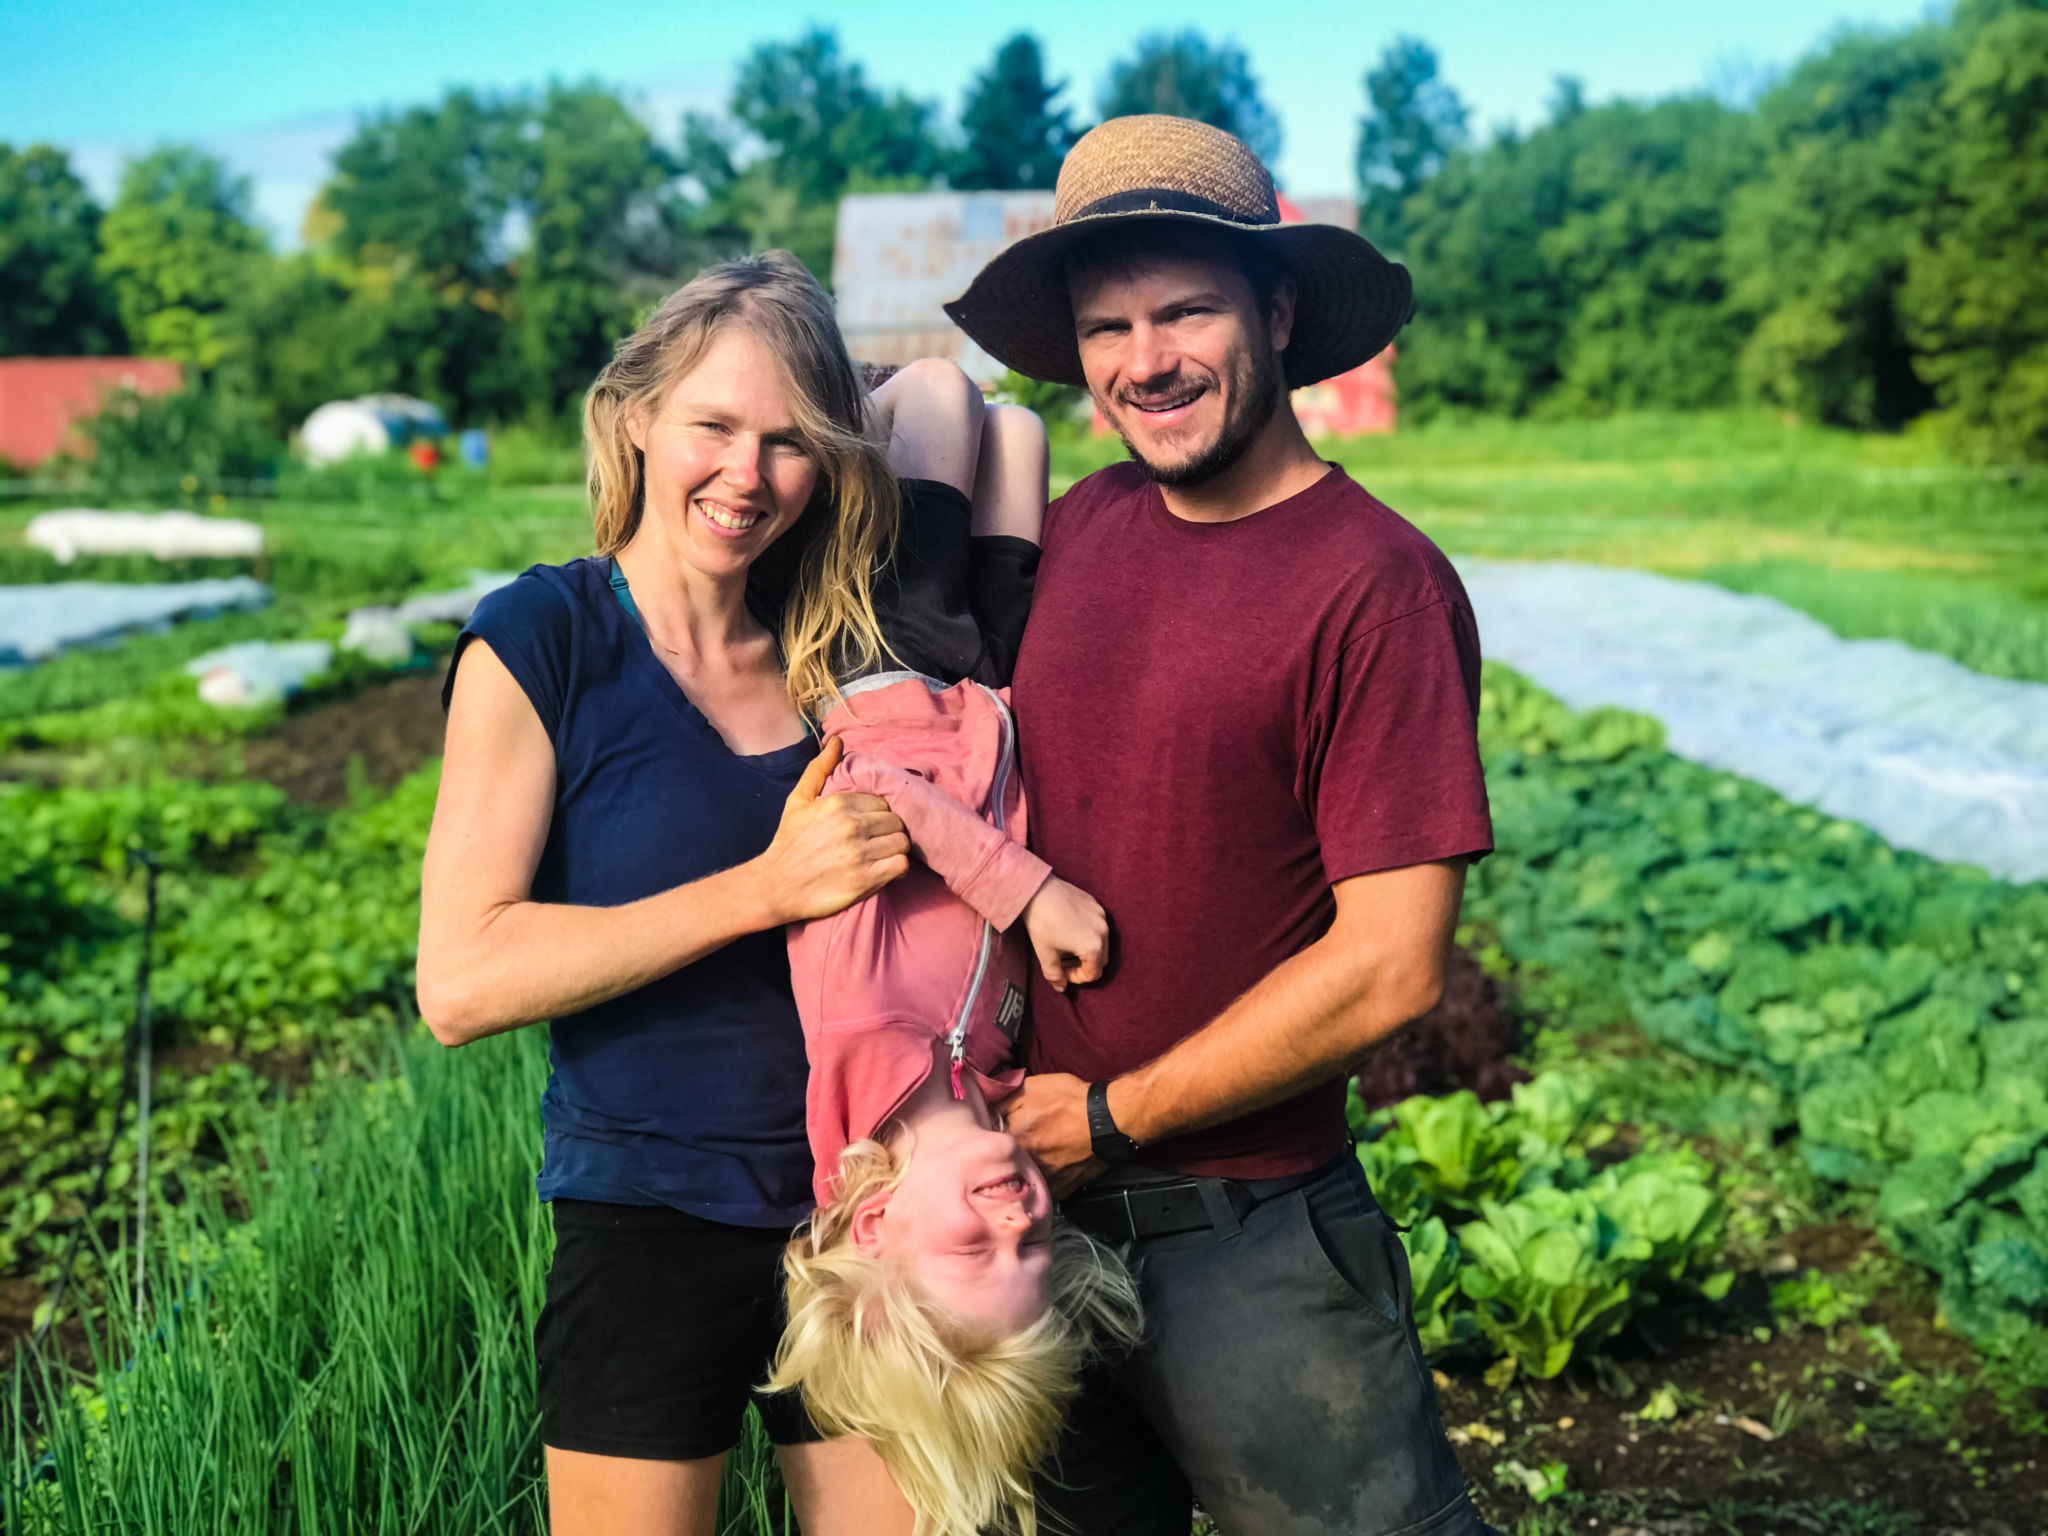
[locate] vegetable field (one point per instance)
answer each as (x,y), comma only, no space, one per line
(1724,1165)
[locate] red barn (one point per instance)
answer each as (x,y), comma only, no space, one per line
(42,398)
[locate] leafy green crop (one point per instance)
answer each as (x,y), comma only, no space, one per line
(1518,1236)
(1898,1004)
(1545,1275)
(82,679)
(278,929)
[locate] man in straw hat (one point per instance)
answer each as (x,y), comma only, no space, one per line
(1246,703)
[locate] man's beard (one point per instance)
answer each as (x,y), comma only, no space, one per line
(1254,393)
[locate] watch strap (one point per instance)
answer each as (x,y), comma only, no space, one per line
(1110,1144)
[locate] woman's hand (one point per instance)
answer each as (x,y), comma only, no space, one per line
(831,850)
(1069,932)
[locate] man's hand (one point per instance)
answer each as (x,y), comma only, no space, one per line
(1049,1115)
(1069,933)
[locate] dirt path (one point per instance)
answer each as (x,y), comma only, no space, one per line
(391,729)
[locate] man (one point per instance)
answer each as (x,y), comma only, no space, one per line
(1246,703)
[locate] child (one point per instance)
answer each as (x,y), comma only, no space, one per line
(936,1306)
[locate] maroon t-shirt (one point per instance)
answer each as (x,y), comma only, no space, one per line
(1217,721)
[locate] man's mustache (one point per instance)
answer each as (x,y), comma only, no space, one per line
(1156,390)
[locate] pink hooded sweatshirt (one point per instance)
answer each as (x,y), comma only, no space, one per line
(930,955)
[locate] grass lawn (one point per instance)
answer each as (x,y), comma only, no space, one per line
(1686,493)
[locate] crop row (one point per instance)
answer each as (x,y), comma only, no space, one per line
(1895,1008)
(1522,1239)
(284,936)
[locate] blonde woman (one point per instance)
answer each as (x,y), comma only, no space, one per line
(630,812)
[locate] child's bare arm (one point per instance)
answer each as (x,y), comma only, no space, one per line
(1010,478)
(1069,933)
(932,414)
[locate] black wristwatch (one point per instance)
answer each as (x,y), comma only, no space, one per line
(1111,1144)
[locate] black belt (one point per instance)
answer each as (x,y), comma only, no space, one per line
(1125,1213)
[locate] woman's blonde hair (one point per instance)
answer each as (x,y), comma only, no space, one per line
(959,1418)
(820,574)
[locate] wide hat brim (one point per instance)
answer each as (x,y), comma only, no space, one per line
(1350,301)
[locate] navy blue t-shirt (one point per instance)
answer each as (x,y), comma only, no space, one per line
(690,1091)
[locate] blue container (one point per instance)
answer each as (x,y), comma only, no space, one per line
(475,447)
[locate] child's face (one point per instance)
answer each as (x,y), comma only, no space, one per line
(971,1223)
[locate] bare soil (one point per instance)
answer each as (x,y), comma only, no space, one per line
(1875,1427)
(388,731)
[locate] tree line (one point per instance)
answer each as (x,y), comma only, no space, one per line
(1866,244)
(1862,244)
(486,251)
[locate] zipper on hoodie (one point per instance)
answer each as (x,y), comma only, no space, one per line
(957,1040)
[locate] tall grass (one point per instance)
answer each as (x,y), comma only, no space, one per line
(354,1355)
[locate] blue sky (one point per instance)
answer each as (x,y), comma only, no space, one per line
(273,87)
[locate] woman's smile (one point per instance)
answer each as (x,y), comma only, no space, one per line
(726,518)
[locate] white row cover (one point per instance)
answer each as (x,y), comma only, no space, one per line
(385,634)
(259,671)
(270,671)
(79,531)
(1930,755)
(38,621)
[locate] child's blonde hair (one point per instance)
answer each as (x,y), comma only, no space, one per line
(823,569)
(959,1418)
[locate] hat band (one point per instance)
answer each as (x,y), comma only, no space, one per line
(1166,200)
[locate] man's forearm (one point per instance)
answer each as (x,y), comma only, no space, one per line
(1312,1018)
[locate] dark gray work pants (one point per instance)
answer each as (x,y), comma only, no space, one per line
(1281,1383)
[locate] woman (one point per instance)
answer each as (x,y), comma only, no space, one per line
(629,813)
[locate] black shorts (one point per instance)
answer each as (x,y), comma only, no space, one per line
(657,1328)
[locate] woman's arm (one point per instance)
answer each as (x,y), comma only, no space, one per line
(491,958)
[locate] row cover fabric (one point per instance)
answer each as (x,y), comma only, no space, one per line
(385,634)
(76,531)
(40,620)
(256,672)
(1928,754)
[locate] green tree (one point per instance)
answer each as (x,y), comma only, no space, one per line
(1413,121)
(1183,74)
(806,128)
(1491,311)
(431,186)
(1639,254)
(607,237)
(1579,268)
(175,248)
(407,284)
(1016,131)
(1975,300)
(484,253)
(317,326)
(1817,247)
(52,303)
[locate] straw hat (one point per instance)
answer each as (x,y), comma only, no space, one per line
(1349,299)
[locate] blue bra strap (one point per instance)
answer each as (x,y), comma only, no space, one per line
(624,594)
